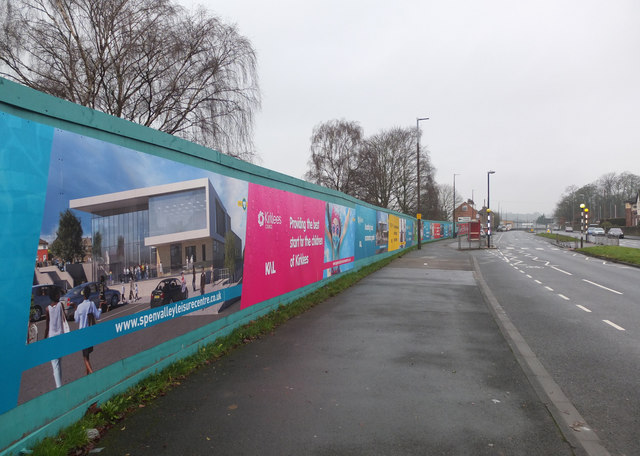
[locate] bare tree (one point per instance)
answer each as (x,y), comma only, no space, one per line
(405,194)
(446,202)
(605,198)
(334,150)
(376,175)
(386,175)
(148,61)
(430,193)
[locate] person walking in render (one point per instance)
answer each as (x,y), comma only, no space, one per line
(102,288)
(55,326)
(85,315)
(203,280)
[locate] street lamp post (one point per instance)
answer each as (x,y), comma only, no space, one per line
(418,119)
(489,173)
(453,211)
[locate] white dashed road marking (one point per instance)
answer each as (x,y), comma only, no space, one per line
(619,328)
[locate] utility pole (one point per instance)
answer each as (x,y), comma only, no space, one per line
(419,215)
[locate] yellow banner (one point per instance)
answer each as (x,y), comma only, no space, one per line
(394,233)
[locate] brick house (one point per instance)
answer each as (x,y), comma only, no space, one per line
(465,209)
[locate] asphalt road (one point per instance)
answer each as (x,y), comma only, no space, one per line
(581,317)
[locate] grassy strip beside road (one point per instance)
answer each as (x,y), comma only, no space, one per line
(557,237)
(75,440)
(627,255)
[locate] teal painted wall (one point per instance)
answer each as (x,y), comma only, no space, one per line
(28,122)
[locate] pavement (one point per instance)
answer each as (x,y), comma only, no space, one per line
(412,360)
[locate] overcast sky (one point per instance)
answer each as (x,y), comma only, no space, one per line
(544,92)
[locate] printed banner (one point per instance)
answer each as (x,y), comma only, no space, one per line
(382,232)
(339,248)
(394,233)
(285,243)
(366,232)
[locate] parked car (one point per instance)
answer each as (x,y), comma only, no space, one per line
(568,229)
(598,231)
(74,297)
(167,291)
(616,232)
(40,294)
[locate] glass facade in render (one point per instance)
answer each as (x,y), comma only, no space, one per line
(178,212)
(121,240)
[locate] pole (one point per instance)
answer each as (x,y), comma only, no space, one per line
(418,119)
(581,224)
(489,173)
(453,211)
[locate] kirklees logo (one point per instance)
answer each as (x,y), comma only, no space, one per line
(268,219)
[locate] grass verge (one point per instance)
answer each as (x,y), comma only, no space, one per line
(74,439)
(626,255)
(557,237)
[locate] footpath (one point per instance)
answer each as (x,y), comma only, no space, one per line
(409,361)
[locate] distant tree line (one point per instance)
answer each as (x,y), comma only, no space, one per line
(380,169)
(147,61)
(605,198)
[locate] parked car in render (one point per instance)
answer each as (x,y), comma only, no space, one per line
(616,232)
(568,229)
(167,291)
(598,231)
(74,297)
(40,294)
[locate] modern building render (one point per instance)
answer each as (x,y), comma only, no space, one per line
(167,227)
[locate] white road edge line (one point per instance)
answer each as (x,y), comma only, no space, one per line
(537,281)
(583,308)
(602,286)
(619,328)
(564,297)
(549,288)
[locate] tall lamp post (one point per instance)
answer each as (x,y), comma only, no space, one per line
(418,120)
(453,211)
(489,173)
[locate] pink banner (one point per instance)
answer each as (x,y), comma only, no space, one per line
(285,243)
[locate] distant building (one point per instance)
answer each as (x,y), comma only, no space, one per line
(166,227)
(43,251)
(465,212)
